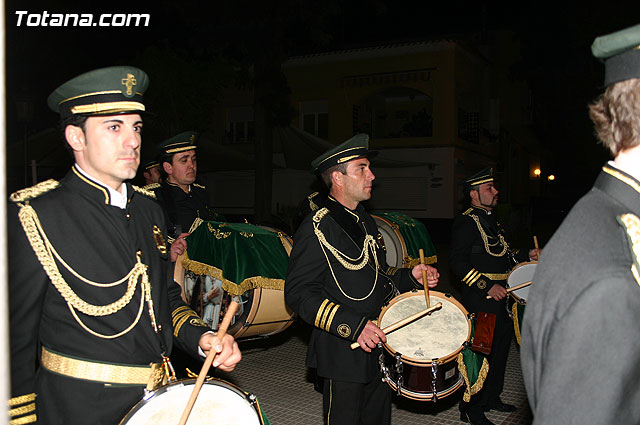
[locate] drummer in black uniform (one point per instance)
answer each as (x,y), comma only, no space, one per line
(94,311)
(338,281)
(481,258)
(184,201)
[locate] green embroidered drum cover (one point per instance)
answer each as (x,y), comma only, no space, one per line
(415,236)
(243,256)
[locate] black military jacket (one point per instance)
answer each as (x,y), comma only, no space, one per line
(101,243)
(183,208)
(580,328)
(335,299)
(480,257)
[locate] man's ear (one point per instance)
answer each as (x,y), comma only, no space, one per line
(337,178)
(473,194)
(167,168)
(75,137)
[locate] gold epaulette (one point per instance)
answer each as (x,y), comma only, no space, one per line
(198,185)
(22,409)
(144,191)
(319,215)
(467,212)
(151,186)
(313,205)
(631,224)
(34,191)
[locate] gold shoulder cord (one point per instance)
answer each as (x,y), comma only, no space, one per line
(46,252)
(631,223)
(363,258)
(485,239)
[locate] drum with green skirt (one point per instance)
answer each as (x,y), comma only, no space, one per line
(241,260)
(403,236)
(473,367)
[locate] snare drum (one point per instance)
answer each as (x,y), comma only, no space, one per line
(420,360)
(262,310)
(218,402)
(394,243)
(403,237)
(520,274)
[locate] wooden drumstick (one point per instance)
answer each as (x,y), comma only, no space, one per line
(222,330)
(515,288)
(400,323)
(535,242)
(424,279)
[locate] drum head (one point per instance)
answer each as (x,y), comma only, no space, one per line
(218,403)
(439,335)
(522,273)
(393,242)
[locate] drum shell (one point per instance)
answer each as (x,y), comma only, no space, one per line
(158,406)
(396,248)
(263,311)
(417,374)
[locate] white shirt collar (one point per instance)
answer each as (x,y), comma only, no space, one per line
(117,199)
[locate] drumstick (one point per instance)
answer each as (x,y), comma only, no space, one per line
(515,288)
(535,242)
(424,279)
(400,323)
(222,330)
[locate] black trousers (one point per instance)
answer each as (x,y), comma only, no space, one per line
(349,403)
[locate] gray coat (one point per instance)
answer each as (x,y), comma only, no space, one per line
(581,332)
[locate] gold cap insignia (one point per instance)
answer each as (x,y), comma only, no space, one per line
(129,82)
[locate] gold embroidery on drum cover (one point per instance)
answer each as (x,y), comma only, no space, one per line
(160,244)
(344,330)
(482,284)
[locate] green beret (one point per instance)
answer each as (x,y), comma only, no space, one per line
(355,147)
(620,53)
(105,91)
(483,176)
(184,141)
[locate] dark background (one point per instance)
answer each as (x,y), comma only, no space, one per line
(192,50)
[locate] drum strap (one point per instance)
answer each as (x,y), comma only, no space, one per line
(152,375)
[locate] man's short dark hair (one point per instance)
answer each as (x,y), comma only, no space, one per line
(326,174)
(167,157)
(76,121)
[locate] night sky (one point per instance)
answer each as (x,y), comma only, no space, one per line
(556,58)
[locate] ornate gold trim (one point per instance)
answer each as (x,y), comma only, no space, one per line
(145,190)
(89,182)
(34,191)
(631,223)
(618,175)
(107,107)
(99,371)
(182,149)
(229,286)
(14,401)
(24,420)
(516,321)
(482,376)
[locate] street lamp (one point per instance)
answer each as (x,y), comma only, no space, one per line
(551,177)
(537,172)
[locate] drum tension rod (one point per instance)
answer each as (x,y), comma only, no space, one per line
(434,375)
(399,370)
